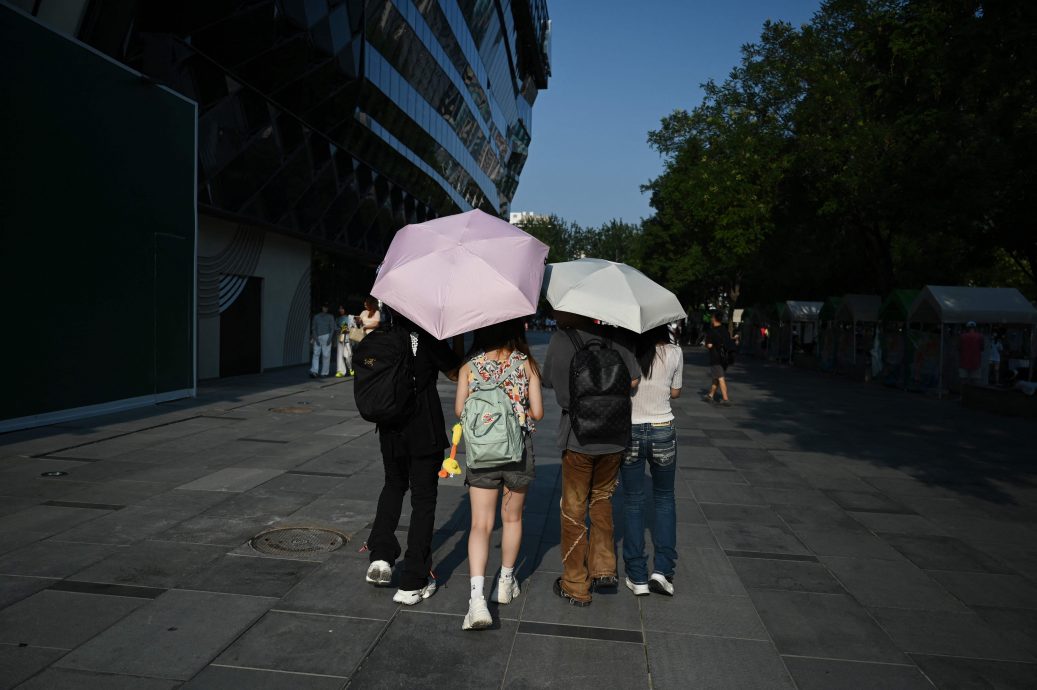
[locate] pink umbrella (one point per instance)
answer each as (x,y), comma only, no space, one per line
(455,274)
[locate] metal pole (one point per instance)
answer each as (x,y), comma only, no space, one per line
(853,343)
(939,390)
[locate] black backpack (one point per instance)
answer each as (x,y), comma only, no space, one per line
(384,387)
(726,354)
(599,393)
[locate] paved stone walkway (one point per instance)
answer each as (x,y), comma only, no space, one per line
(831,535)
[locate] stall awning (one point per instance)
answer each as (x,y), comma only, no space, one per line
(897,305)
(942,304)
(797,310)
(859,308)
(831,306)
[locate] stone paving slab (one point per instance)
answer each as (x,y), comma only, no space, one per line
(172,637)
(884,541)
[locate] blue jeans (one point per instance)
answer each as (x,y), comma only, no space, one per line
(656,444)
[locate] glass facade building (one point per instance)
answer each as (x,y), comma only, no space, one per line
(320,128)
(338,121)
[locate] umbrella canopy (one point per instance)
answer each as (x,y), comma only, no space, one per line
(458,273)
(612,292)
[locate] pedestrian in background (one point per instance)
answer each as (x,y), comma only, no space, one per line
(653,440)
(499,354)
(370,317)
(344,349)
(322,330)
(970,355)
(589,469)
(720,346)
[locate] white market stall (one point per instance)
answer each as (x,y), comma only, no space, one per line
(801,315)
(859,310)
(951,305)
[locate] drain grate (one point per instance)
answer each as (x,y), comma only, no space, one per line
(292,410)
(297,540)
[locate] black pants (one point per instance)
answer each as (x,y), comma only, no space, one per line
(421,475)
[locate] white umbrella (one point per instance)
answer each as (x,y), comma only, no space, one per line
(612,292)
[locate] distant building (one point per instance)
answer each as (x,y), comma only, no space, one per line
(317,125)
(518,217)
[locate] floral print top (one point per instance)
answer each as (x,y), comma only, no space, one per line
(516,386)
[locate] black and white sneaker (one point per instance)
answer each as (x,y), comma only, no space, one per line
(379,573)
(661,584)
(640,589)
(409,597)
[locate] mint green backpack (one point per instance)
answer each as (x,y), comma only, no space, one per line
(492,434)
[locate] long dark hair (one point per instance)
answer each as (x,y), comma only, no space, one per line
(507,336)
(648,348)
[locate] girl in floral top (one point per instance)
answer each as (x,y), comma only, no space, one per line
(495,349)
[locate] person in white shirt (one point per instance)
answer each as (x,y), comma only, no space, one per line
(653,440)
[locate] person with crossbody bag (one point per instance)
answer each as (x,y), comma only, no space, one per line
(498,400)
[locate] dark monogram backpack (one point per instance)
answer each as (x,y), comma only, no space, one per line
(599,393)
(384,385)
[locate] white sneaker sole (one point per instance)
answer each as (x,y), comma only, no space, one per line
(382,578)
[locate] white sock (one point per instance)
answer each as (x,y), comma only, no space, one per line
(507,573)
(477,585)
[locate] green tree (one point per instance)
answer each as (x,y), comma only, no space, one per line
(723,162)
(562,236)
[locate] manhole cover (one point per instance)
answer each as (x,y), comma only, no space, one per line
(294,540)
(54,474)
(292,410)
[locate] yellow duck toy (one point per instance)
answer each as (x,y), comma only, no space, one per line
(450,466)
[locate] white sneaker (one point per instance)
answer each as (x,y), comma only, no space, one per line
(639,590)
(660,584)
(379,573)
(409,597)
(478,616)
(507,589)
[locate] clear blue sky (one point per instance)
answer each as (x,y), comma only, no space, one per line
(618,67)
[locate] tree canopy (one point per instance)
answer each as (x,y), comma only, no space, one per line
(885,143)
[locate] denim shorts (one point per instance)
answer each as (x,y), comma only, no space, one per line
(516,475)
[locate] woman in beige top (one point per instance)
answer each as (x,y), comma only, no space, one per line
(369,317)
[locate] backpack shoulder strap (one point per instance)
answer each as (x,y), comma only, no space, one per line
(574,338)
(511,368)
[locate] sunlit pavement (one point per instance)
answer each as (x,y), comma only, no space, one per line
(831,535)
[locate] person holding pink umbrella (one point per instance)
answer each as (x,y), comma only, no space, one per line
(441,278)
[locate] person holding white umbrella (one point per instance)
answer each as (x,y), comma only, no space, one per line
(592,369)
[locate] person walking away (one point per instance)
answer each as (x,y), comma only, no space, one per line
(719,343)
(322,328)
(653,440)
(590,466)
(970,354)
(344,350)
(996,348)
(412,446)
(499,355)
(370,317)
